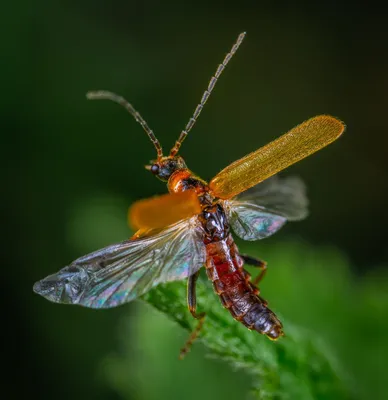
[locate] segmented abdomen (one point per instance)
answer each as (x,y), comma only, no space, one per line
(224,267)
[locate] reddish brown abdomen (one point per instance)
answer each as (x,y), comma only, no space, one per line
(224,267)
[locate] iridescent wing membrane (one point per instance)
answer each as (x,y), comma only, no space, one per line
(262,210)
(122,272)
(119,273)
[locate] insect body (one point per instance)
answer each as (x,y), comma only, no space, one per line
(224,265)
(191,227)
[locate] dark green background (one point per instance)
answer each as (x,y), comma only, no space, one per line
(72,167)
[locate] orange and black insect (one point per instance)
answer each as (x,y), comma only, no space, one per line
(190,227)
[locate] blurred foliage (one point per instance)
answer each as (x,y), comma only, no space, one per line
(305,284)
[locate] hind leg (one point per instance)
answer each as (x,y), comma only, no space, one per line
(192,304)
(255,262)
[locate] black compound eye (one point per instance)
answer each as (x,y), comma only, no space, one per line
(155,169)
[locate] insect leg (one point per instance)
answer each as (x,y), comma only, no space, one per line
(255,262)
(192,304)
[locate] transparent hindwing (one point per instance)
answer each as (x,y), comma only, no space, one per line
(262,210)
(119,273)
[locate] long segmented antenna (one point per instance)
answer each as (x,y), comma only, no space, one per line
(105,95)
(206,95)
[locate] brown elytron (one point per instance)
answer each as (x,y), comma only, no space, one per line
(189,228)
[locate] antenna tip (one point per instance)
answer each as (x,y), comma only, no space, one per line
(90,95)
(241,37)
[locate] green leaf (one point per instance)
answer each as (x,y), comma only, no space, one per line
(335,326)
(299,366)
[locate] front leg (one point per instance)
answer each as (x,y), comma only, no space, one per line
(255,262)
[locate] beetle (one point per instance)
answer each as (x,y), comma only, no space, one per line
(190,227)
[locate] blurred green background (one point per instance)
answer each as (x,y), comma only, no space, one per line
(72,167)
